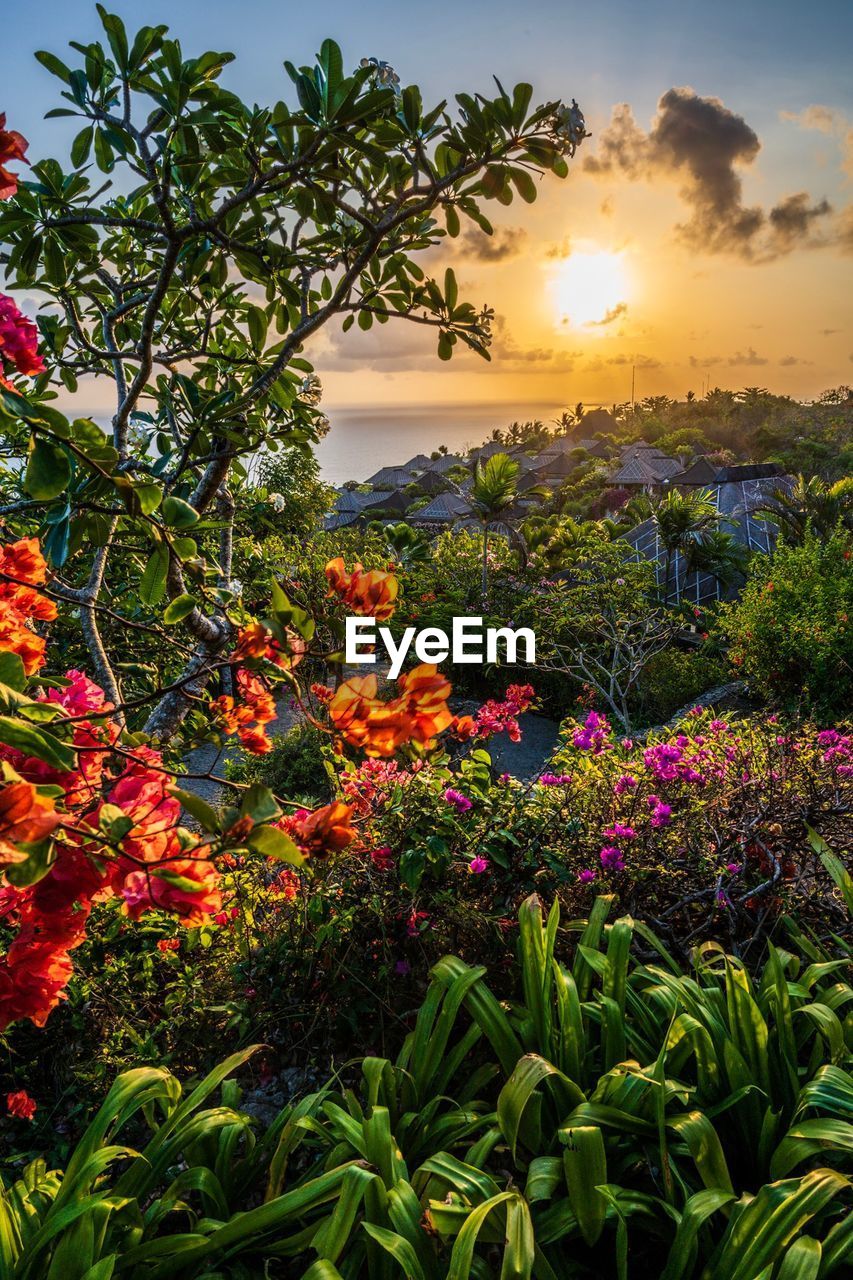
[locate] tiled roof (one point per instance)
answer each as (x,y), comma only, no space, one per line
(445,463)
(737,502)
(443,509)
(420,462)
(390,477)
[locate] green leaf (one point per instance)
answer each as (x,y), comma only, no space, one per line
(178,609)
(152,584)
(48,469)
(203,813)
(273,843)
(12,672)
(179,514)
(37,742)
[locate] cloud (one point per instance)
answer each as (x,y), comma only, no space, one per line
(703,145)
(829,121)
(749,357)
(793,218)
(826,333)
(475,245)
(639,361)
(563,249)
(508,355)
(787,361)
(612,313)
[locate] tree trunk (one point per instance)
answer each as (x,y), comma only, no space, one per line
(484,583)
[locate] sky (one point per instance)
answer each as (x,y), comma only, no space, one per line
(703,237)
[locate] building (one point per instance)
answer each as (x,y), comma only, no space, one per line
(740,495)
(446,462)
(445,509)
(643,466)
(390,478)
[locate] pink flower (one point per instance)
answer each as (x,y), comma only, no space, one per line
(460,803)
(619,832)
(382,859)
(593,736)
(661,813)
(586,876)
(626,782)
(555,779)
(478,865)
(611,858)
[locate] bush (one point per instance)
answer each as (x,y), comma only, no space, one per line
(699,1115)
(672,679)
(295,768)
(791,631)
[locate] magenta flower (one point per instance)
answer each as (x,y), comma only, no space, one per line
(478,865)
(586,876)
(619,832)
(460,803)
(661,813)
(402,967)
(611,858)
(626,782)
(555,779)
(734,868)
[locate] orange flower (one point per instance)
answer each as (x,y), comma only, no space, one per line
(464,727)
(13,146)
(16,637)
(379,728)
(25,817)
(23,560)
(255,641)
(371,594)
(326,830)
(364,721)
(20,1104)
(426,693)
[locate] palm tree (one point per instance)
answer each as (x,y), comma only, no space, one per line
(493,492)
(811,504)
(718,554)
(683,521)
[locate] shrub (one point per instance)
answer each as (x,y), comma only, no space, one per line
(672,679)
(791,631)
(697,1117)
(295,768)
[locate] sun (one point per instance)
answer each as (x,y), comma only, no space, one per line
(590,288)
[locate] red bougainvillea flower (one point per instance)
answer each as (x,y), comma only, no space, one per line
(25,816)
(20,1104)
(13,146)
(18,338)
(371,594)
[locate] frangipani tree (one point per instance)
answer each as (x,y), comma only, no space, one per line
(190,251)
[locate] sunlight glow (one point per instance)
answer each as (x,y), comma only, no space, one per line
(590,290)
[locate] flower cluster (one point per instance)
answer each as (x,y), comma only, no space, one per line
(248,713)
(18,335)
(13,146)
(497,716)
(255,643)
(320,832)
(371,594)
(416,715)
(593,736)
(22,567)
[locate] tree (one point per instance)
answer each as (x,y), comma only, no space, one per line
(683,520)
(811,504)
(493,493)
(216,241)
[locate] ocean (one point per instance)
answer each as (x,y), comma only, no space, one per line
(361,441)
